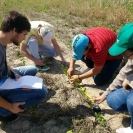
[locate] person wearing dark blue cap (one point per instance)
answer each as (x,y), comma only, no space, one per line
(92,48)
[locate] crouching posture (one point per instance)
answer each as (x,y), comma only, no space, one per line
(41,41)
(119,94)
(13,29)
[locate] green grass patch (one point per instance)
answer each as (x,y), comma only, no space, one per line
(87,13)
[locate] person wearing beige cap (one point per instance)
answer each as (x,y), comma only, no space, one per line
(41,41)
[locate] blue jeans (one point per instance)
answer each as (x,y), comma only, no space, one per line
(30,97)
(107,72)
(36,49)
(122,101)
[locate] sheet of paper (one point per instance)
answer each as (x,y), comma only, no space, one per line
(31,82)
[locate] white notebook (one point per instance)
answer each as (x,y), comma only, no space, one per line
(30,82)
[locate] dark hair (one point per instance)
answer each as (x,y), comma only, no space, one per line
(12,20)
(130,49)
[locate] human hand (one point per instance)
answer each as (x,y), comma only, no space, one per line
(99,99)
(65,63)
(14,75)
(17,76)
(40,63)
(126,86)
(74,78)
(70,71)
(15,107)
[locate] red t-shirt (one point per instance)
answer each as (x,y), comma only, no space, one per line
(100,40)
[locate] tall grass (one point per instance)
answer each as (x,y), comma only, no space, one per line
(86,13)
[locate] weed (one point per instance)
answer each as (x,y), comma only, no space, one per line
(21,57)
(100,119)
(91,13)
(65,24)
(70,131)
(98,115)
(69,44)
(33,110)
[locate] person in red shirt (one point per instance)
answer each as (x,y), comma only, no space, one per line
(91,46)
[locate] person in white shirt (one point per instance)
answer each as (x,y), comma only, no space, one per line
(41,41)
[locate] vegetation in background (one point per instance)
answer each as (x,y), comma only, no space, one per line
(87,13)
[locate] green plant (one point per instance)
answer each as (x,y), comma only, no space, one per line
(98,115)
(22,59)
(81,90)
(100,118)
(70,131)
(91,13)
(33,110)
(69,44)
(65,24)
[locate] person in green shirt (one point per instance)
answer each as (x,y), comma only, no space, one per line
(119,94)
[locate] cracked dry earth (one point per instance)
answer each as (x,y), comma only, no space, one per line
(64,109)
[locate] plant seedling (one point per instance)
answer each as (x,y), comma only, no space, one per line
(94,106)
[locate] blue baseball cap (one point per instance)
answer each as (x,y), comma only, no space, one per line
(79,44)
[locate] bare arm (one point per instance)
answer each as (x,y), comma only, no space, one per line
(70,71)
(117,82)
(23,50)
(72,62)
(94,71)
(5,104)
(57,49)
(13,107)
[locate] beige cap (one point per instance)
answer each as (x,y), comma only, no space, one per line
(46,34)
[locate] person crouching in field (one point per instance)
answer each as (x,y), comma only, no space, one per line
(41,41)
(119,94)
(91,47)
(14,28)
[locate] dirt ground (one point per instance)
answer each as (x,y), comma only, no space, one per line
(64,109)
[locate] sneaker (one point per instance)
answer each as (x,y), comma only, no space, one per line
(124,130)
(43,68)
(86,70)
(9,119)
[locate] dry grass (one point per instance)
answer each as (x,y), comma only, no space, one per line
(87,13)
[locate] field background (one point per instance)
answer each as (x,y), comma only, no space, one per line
(86,13)
(64,110)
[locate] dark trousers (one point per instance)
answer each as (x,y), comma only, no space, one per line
(107,72)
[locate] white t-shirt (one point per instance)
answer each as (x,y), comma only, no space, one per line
(34,31)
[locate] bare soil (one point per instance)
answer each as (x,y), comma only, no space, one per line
(64,109)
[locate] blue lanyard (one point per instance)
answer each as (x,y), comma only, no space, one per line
(3,80)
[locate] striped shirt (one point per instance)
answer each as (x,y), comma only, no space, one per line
(100,40)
